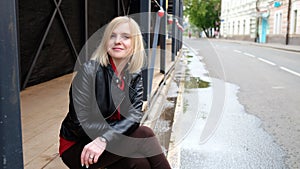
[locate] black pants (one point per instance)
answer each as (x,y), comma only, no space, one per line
(71,157)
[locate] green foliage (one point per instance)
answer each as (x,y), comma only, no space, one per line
(204,14)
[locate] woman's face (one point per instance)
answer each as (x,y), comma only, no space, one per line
(119,45)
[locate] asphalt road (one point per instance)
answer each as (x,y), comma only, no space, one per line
(269,81)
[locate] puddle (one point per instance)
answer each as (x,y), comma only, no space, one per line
(188,69)
(194,73)
(195,82)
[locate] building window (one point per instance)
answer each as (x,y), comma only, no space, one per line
(238,28)
(244,27)
(294,22)
(233,28)
(278,22)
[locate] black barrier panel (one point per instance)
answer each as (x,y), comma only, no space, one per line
(52,33)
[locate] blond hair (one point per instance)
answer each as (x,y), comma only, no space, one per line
(137,58)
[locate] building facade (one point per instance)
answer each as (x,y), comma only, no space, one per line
(262,21)
(237,20)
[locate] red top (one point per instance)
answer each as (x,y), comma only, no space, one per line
(117,115)
(66,144)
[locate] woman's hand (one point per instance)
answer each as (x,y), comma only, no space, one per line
(92,151)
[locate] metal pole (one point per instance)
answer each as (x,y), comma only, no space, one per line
(86,29)
(288,23)
(118,8)
(144,22)
(181,18)
(10,120)
(163,38)
(257,22)
(153,57)
(177,30)
(180,22)
(174,30)
(86,32)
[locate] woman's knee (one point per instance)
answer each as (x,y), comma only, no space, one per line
(137,163)
(131,163)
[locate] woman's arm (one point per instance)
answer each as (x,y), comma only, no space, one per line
(134,115)
(84,101)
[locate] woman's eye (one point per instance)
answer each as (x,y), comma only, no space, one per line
(126,36)
(112,36)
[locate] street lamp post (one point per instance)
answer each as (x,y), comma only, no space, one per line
(257,22)
(288,24)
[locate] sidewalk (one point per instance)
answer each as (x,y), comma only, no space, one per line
(44,106)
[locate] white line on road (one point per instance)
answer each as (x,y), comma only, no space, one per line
(192,49)
(290,71)
(266,61)
(237,51)
(248,54)
(278,87)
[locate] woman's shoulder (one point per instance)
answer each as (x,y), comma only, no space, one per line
(90,66)
(136,75)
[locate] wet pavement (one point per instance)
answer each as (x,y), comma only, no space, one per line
(212,131)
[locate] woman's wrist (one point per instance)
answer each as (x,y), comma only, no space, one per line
(100,142)
(102,139)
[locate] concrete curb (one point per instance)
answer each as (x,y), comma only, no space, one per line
(277,47)
(174,150)
(173,155)
(291,48)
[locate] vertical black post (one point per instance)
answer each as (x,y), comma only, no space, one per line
(177,28)
(180,16)
(174,30)
(86,30)
(10,121)
(118,8)
(178,31)
(288,23)
(163,33)
(144,21)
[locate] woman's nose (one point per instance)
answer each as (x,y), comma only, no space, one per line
(118,39)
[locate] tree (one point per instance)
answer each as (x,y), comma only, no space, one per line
(204,14)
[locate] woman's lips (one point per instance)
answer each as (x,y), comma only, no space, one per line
(117,49)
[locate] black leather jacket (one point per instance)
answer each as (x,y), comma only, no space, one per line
(94,98)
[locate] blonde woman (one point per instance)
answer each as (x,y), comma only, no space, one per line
(102,128)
